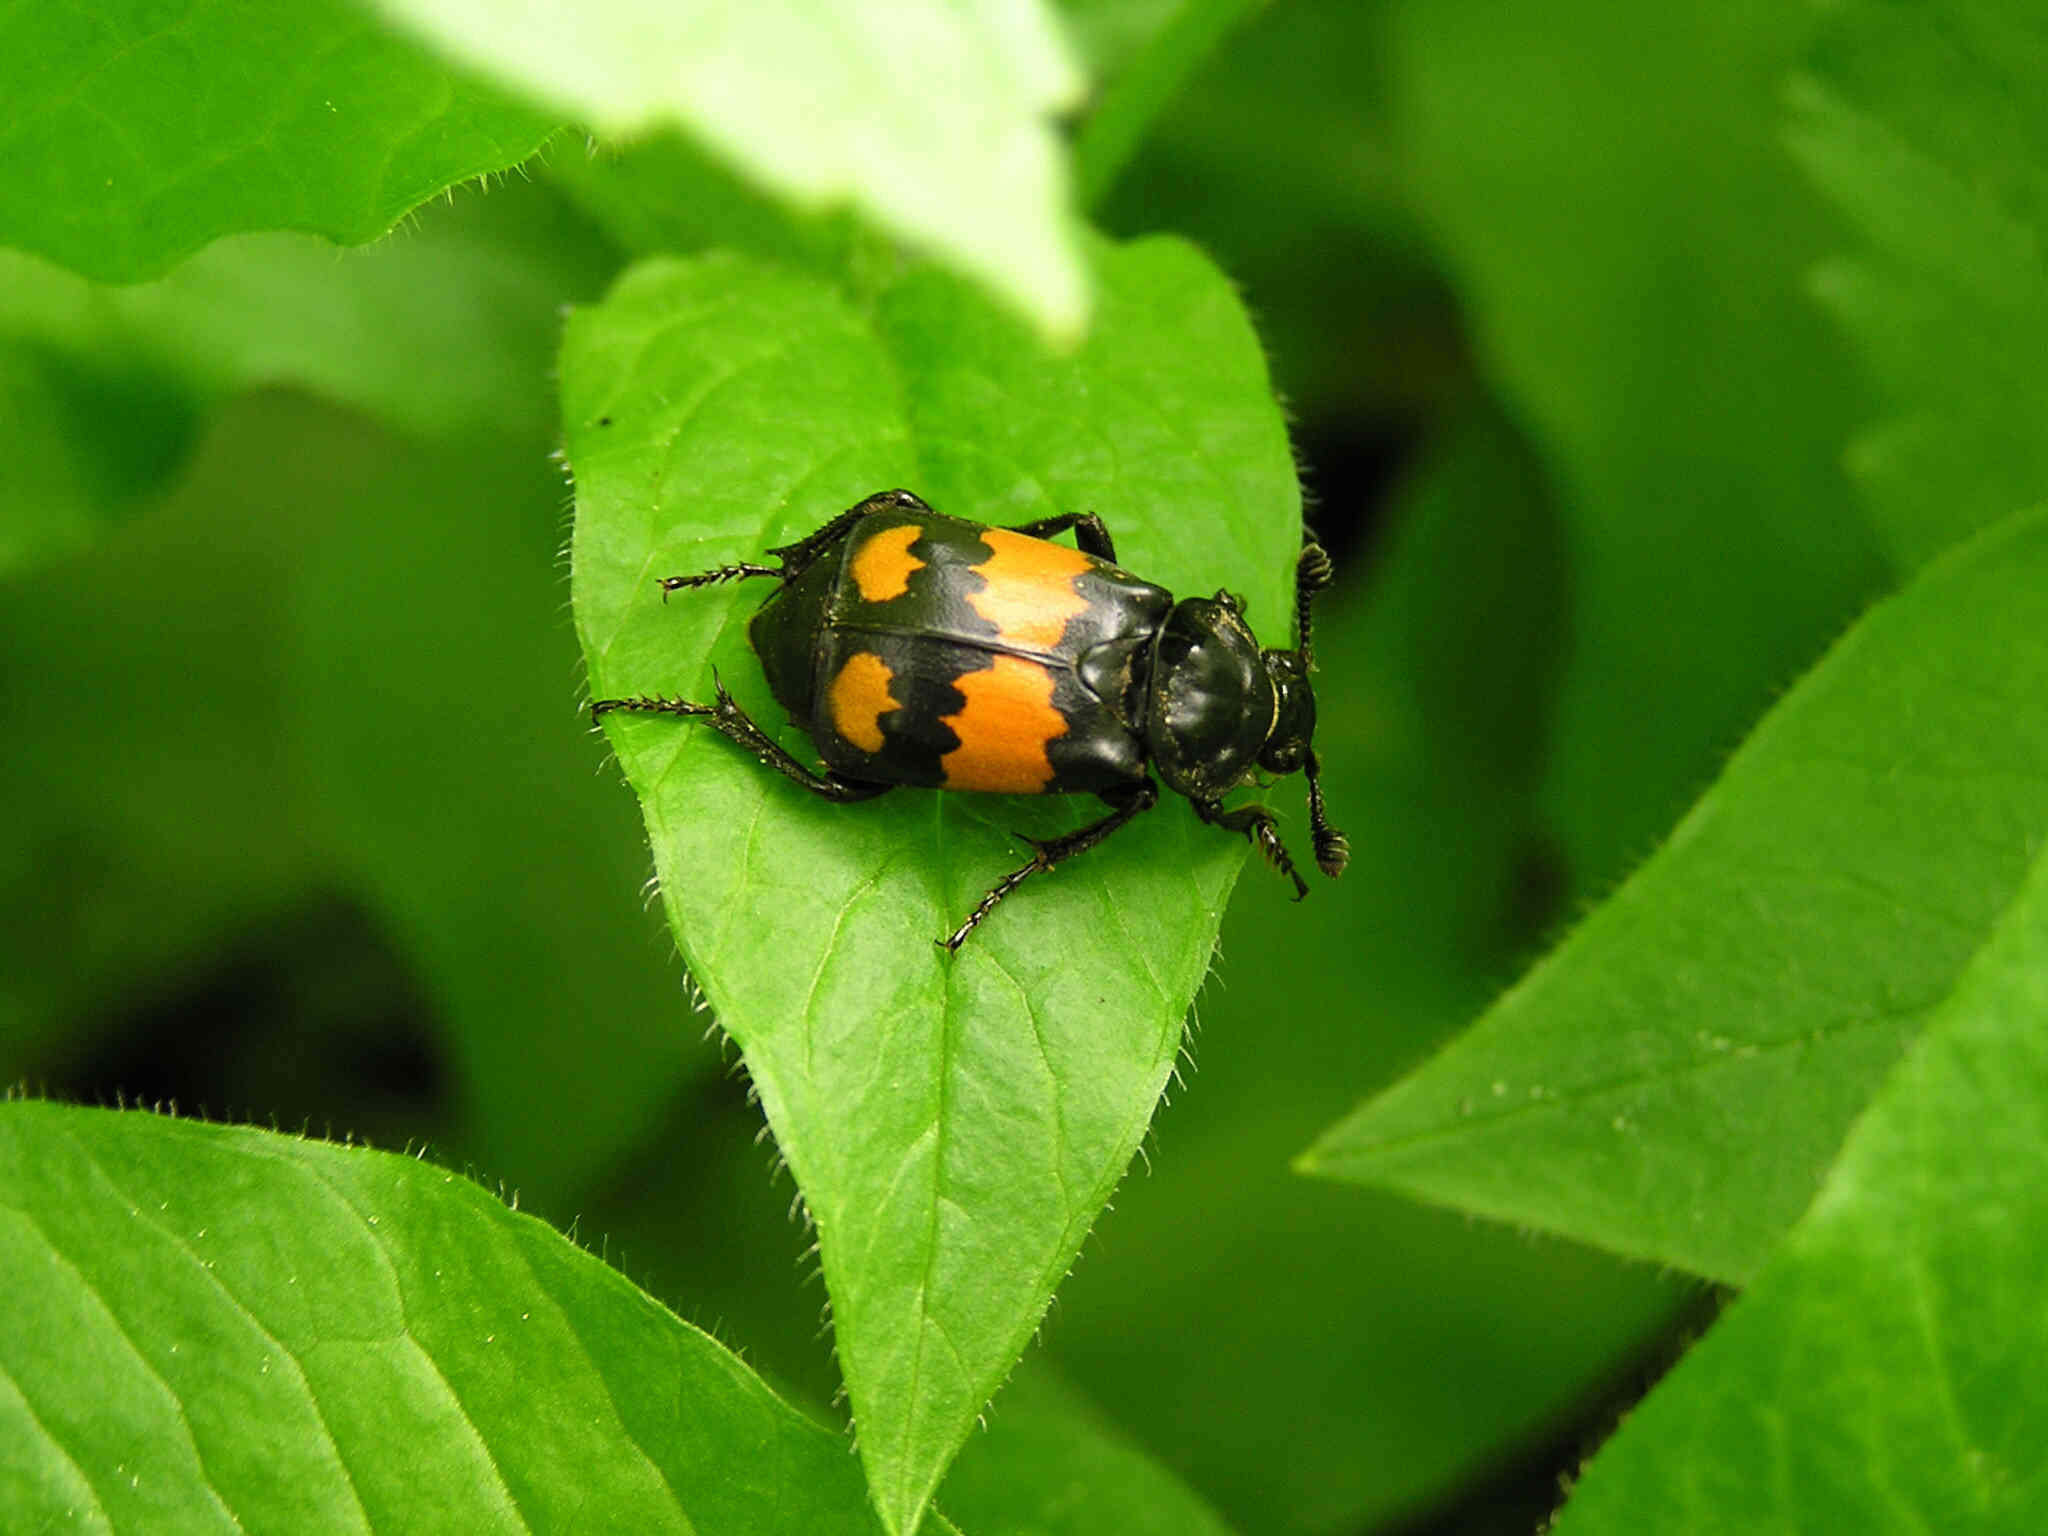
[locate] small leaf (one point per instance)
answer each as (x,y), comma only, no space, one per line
(139,130)
(1674,1081)
(933,117)
(211,1327)
(1928,126)
(955,1124)
(1883,1373)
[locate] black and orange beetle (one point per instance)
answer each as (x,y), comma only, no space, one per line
(919,649)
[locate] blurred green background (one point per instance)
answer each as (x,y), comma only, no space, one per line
(304,825)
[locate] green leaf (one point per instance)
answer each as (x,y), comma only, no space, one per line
(212,1327)
(954,1124)
(1883,1373)
(932,117)
(139,130)
(1673,1082)
(1928,126)
(1053,1464)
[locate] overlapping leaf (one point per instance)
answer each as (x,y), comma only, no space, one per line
(1674,1081)
(214,1328)
(954,1124)
(138,130)
(934,118)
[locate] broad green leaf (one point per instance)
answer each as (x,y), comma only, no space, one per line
(1928,126)
(1052,1464)
(216,1328)
(1615,209)
(932,117)
(1673,1082)
(954,1124)
(444,327)
(1883,1373)
(138,130)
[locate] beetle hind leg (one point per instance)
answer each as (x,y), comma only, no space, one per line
(796,558)
(730,721)
(1091,534)
(1044,855)
(1256,823)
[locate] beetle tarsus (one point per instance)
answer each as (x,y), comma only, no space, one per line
(738,572)
(646,704)
(1257,824)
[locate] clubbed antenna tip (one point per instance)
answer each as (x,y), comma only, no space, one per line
(1333,851)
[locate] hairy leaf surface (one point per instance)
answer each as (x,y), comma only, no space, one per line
(218,1328)
(934,118)
(138,130)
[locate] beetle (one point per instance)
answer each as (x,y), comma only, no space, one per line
(925,650)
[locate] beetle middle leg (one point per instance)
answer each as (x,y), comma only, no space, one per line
(1124,803)
(1257,824)
(1091,534)
(732,722)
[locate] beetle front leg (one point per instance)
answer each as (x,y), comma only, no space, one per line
(1044,855)
(732,722)
(1257,824)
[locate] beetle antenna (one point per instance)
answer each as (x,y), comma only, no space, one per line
(1333,852)
(1312,573)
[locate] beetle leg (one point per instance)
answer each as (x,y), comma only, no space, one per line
(795,557)
(1044,855)
(730,721)
(713,578)
(1091,534)
(1256,823)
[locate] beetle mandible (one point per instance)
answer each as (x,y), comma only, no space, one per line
(926,650)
